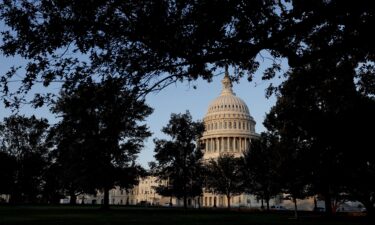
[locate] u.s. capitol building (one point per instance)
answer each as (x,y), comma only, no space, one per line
(229,129)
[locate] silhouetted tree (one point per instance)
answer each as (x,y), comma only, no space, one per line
(160,43)
(314,113)
(179,160)
(8,168)
(261,168)
(224,176)
(24,140)
(52,190)
(100,135)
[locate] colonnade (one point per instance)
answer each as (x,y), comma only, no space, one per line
(226,144)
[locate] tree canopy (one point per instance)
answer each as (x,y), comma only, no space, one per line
(24,147)
(179,160)
(100,135)
(155,43)
(261,171)
(224,176)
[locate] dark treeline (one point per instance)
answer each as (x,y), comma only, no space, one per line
(93,148)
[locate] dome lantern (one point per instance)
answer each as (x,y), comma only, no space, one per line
(227,84)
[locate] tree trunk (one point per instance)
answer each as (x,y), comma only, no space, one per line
(105,205)
(315,204)
(295,208)
(199,202)
(262,205)
(228,199)
(185,201)
(73,198)
(328,203)
(268,204)
(370,211)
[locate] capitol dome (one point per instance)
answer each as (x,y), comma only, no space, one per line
(229,127)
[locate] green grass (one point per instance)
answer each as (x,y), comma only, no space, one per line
(67,215)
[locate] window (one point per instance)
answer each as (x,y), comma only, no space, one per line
(230,125)
(225,125)
(234,125)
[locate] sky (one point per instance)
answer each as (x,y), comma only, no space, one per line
(176,98)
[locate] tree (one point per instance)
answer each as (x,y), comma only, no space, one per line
(261,168)
(8,168)
(224,176)
(179,160)
(160,43)
(294,177)
(141,38)
(24,142)
(100,135)
(315,110)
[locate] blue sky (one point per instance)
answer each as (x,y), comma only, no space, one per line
(177,98)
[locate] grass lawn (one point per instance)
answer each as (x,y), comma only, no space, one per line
(61,215)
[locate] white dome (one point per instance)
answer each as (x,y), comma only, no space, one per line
(229,126)
(227,104)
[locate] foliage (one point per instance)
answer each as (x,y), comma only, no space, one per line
(224,176)
(153,44)
(99,136)
(179,160)
(262,168)
(25,147)
(8,168)
(323,118)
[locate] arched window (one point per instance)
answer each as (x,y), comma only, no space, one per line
(234,125)
(230,125)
